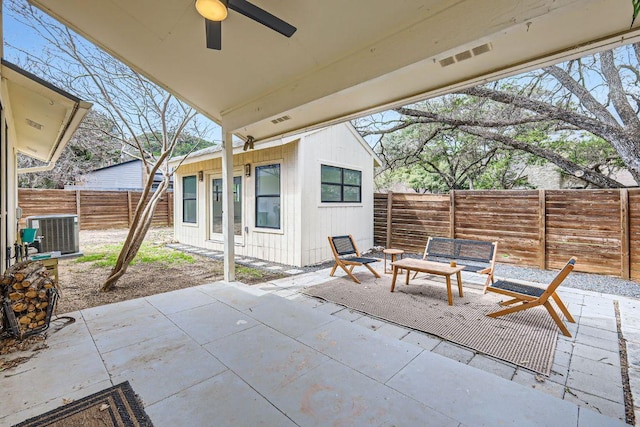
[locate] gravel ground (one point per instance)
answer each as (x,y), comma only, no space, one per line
(584,281)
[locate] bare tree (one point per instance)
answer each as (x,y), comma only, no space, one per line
(596,96)
(148,121)
(89,148)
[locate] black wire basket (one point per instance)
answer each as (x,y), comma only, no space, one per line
(11,327)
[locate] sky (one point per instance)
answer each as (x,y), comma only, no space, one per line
(19,35)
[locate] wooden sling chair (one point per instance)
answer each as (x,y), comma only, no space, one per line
(343,248)
(533,296)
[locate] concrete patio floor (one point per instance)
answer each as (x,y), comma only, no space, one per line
(225,354)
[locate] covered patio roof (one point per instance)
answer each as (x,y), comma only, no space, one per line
(347,58)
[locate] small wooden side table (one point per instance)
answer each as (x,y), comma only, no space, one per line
(394,254)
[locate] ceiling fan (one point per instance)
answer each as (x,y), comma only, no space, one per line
(215,11)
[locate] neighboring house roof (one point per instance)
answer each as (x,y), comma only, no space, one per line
(115,165)
(216,150)
(44,116)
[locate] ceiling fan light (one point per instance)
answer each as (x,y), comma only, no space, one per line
(213,10)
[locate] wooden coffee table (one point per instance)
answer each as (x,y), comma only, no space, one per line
(438,268)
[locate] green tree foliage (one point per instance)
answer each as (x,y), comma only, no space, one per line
(186,143)
(581,116)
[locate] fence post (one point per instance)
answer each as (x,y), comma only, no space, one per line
(129,208)
(78,209)
(166,200)
(625,265)
(542,229)
(170,202)
(452,214)
(389,209)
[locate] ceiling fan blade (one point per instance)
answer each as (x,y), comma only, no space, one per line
(262,16)
(214,34)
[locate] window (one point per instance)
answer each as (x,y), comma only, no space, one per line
(268,196)
(189,199)
(340,185)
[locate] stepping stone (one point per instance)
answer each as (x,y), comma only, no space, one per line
(274,267)
(259,264)
(294,271)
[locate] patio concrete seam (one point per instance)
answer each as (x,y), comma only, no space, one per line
(97,349)
(149,301)
(405,365)
(460,423)
(188,387)
(262,395)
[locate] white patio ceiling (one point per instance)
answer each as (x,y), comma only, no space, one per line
(348,57)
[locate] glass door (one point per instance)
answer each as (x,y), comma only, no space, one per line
(216,207)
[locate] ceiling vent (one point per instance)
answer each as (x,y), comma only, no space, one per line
(483,48)
(464,55)
(280,119)
(33,124)
(447,61)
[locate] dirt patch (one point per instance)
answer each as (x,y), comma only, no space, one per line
(79,282)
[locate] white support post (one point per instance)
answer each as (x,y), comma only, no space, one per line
(227,207)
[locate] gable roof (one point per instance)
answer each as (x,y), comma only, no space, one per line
(215,151)
(347,58)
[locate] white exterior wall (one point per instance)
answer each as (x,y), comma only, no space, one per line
(305,221)
(8,189)
(126,176)
(334,146)
(8,180)
(274,245)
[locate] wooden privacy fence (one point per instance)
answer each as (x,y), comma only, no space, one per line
(538,228)
(95,209)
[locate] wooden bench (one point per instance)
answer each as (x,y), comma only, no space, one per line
(477,256)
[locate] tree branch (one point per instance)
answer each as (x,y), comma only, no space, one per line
(603,130)
(563,163)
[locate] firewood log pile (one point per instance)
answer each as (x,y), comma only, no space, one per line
(28,298)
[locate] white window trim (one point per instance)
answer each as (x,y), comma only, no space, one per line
(239,240)
(267,230)
(188,224)
(322,204)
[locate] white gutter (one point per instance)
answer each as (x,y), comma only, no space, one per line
(80,109)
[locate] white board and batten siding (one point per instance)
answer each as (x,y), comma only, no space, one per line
(306,222)
(338,146)
(260,243)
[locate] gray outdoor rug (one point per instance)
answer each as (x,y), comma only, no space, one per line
(526,339)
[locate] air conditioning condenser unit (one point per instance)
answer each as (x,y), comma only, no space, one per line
(60,232)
